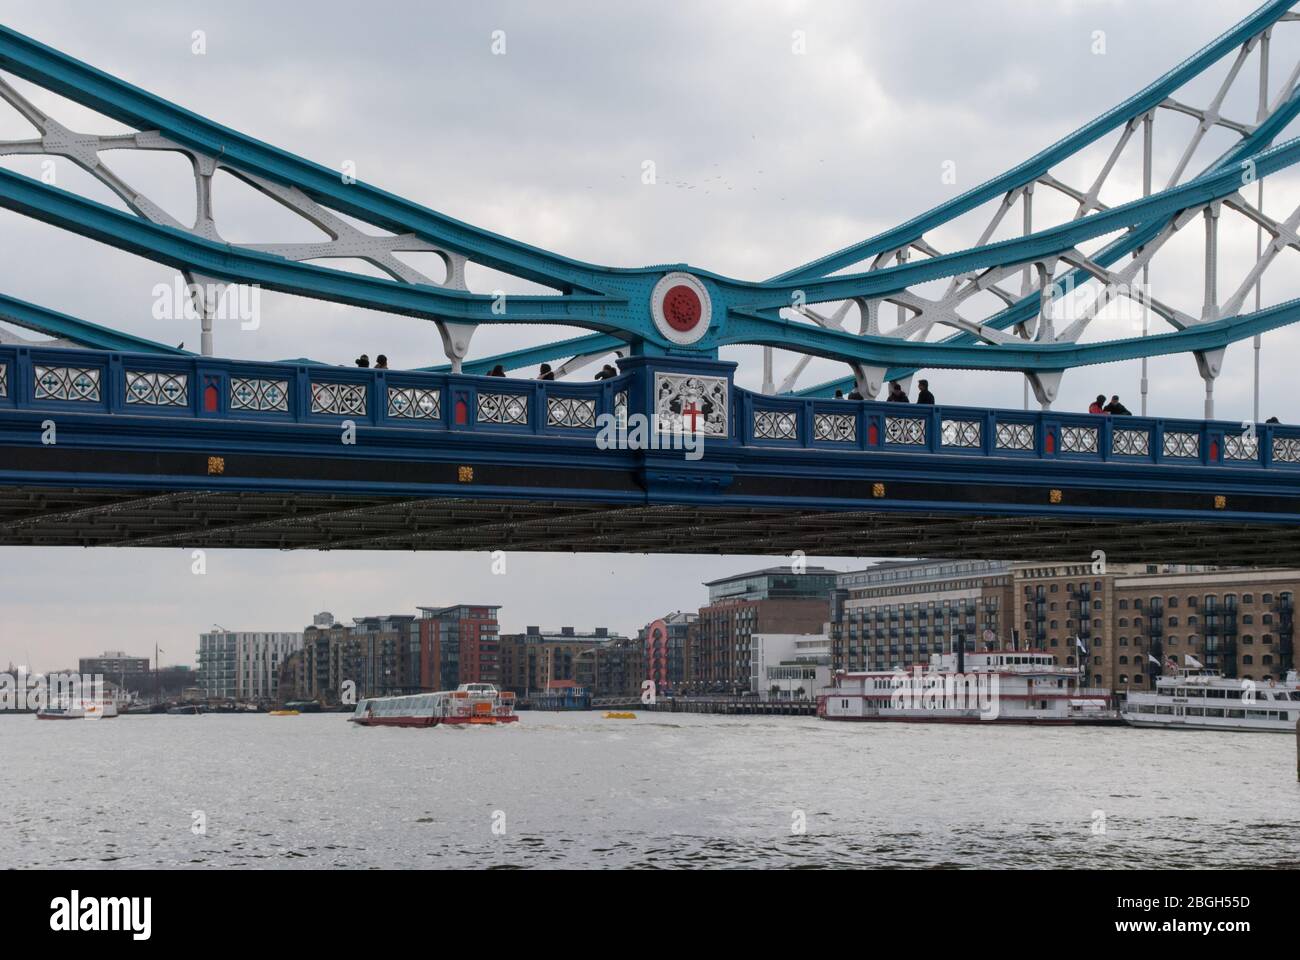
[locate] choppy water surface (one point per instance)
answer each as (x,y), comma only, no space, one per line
(575,790)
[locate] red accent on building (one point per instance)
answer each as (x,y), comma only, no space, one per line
(459,644)
(462,413)
(873,434)
(656,653)
(1051,441)
(682,308)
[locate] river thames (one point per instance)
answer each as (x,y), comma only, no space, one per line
(664,790)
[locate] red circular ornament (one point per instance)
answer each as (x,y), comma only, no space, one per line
(682,308)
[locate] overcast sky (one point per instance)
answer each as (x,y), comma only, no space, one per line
(765,159)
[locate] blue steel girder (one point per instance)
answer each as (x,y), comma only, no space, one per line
(82,332)
(752,308)
(1028,307)
(614,302)
(128,104)
(1029,171)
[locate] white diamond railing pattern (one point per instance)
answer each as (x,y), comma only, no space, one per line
(909,431)
(965,434)
(835,427)
(775,425)
(571,412)
(503,408)
(414,403)
(157,389)
(339,399)
(77,384)
(262,396)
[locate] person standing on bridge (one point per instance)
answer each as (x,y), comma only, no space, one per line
(1117,409)
(497,371)
(545,372)
(381,362)
(363,360)
(607,373)
(924,395)
(1098,406)
(896,394)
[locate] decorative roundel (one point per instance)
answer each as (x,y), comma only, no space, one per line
(681,308)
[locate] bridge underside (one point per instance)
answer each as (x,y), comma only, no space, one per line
(92,517)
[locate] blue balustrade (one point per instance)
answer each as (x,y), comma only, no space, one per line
(91,381)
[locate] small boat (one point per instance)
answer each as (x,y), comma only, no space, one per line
(1199,699)
(284,713)
(185,710)
(617,715)
(468,704)
(104,709)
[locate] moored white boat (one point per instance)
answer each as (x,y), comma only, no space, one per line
(1000,686)
(1197,699)
(470,703)
(79,709)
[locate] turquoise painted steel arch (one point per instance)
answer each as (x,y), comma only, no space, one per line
(614,303)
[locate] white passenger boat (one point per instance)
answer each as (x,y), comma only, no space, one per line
(999,686)
(79,709)
(470,703)
(1198,699)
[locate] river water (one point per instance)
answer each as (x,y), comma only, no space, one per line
(664,790)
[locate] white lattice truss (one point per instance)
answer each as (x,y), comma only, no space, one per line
(345,241)
(918,315)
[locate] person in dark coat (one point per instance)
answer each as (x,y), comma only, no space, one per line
(381,362)
(1117,409)
(896,394)
(363,360)
(607,372)
(855,395)
(545,372)
(839,394)
(924,395)
(497,371)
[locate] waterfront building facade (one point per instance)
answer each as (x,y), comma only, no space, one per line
(773,600)
(459,644)
(1116,624)
(789,666)
(533,660)
(670,651)
(124,670)
(243,665)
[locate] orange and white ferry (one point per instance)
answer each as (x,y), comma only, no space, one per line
(1002,686)
(470,703)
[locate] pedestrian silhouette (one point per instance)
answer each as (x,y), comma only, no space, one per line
(1098,406)
(896,394)
(497,371)
(1117,409)
(924,395)
(381,362)
(545,372)
(363,360)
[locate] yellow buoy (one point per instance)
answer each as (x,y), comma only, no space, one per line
(284,713)
(619,716)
